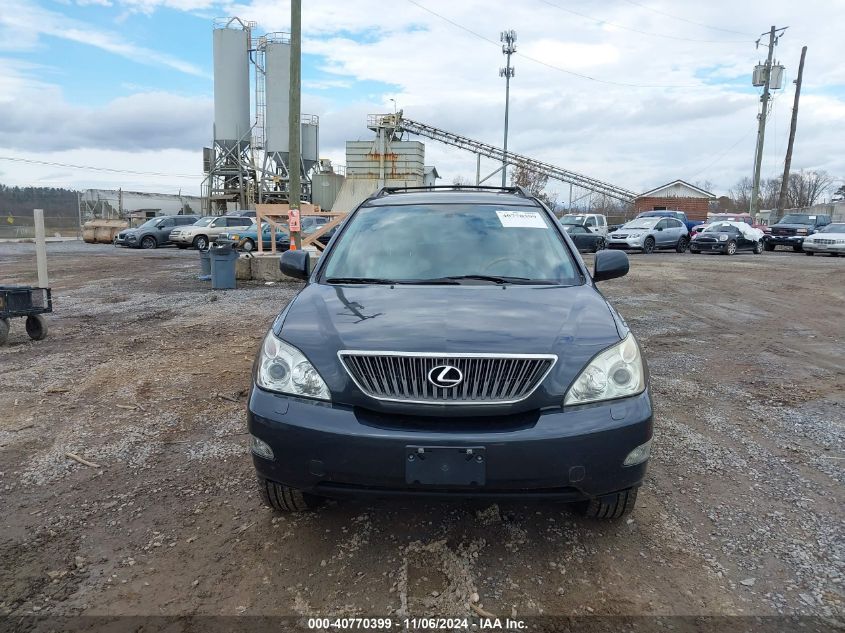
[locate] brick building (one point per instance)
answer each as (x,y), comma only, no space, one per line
(676,196)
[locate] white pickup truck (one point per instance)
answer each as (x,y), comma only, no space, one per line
(595,222)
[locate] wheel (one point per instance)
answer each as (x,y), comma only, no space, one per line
(797,248)
(285,499)
(648,245)
(248,245)
(4,331)
(683,243)
(809,253)
(612,506)
(149,242)
(758,248)
(36,327)
(730,248)
(201,242)
(768,247)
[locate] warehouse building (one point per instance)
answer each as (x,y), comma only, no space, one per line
(676,196)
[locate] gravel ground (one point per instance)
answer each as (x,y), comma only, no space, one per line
(144,375)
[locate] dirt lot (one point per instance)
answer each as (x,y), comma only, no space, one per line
(144,374)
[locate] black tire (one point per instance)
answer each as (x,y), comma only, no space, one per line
(36,327)
(768,247)
(682,246)
(730,248)
(648,245)
(248,245)
(149,242)
(201,243)
(809,253)
(758,248)
(4,331)
(285,499)
(797,248)
(609,507)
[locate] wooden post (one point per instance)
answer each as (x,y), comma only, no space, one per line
(40,248)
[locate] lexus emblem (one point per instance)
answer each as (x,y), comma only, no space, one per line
(445,376)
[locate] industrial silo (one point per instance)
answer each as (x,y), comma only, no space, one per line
(310,141)
(231,85)
(277,82)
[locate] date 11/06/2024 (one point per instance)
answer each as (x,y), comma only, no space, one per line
(416,624)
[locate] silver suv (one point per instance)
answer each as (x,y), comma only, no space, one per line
(206,230)
(651,234)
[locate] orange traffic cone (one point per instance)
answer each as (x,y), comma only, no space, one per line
(292,246)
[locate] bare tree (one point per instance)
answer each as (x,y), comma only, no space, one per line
(839,194)
(461,181)
(534,183)
(806,187)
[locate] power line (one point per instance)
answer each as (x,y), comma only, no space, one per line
(546,64)
(675,17)
(92,168)
(640,31)
(722,154)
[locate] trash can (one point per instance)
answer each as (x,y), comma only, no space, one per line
(205,265)
(223,264)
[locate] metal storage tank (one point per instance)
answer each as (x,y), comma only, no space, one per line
(310,140)
(324,189)
(231,85)
(277,87)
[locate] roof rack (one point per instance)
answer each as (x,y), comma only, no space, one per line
(384,191)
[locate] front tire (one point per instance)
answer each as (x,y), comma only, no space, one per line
(284,498)
(768,247)
(36,327)
(201,243)
(248,245)
(683,243)
(149,242)
(648,246)
(758,248)
(609,507)
(730,248)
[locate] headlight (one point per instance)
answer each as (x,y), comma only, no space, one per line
(634,234)
(284,369)
(723,238)
(615,373)
(801,231)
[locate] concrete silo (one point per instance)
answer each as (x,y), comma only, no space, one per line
(231,172)
(310,135)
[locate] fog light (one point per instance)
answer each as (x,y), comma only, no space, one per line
(260,447)
(638,455)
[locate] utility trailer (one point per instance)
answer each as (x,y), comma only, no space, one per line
(25,302)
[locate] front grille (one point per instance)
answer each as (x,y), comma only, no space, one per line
(620,236)
(487,378)
(818,241)
(783,231)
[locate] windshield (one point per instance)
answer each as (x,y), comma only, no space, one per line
(833,228)
(437,243)
(150,223)
(572,219)
(642,223)
(720,227)
(204,221)
(797,218)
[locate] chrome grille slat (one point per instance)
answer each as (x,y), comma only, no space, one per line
(487,378)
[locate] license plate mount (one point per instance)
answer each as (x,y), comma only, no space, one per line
(445,465)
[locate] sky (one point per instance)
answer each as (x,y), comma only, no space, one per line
(634,93)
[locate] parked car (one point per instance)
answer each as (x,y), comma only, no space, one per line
(792,228)
(247,239)
(310,223)
(678,215)
(206,230)
(649,234)
(727,238)
(729,217)
(451,343)
(154,232)
(594,222)
(585,240)
(830,239)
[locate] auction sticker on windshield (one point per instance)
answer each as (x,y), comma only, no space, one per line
(522,219)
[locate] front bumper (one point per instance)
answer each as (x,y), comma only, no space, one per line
(814,247)
(126,241)
(339,451)
(708,247)
(784,240)
(627,243)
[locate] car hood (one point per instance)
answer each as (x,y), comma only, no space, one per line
(828,236)
(574,323)
(793,226)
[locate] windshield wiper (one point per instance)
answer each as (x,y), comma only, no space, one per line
(498,279)
(359,280)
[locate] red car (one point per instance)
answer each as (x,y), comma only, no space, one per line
(731,217)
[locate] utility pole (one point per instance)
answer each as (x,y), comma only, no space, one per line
(294,184)
(774,35)
(508,48)
(787,164)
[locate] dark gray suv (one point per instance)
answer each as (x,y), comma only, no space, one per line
(154,232)
(451,342)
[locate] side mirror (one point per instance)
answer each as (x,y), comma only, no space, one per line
(609,265)
(296,264)
(659,228)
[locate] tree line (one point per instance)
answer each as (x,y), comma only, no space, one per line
(17,203)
